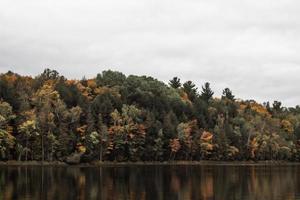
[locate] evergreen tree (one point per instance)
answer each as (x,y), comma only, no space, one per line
(206,93)
(191,90)
(277,106)
(227,93)
(175,83)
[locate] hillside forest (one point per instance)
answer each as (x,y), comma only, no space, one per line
(114,117)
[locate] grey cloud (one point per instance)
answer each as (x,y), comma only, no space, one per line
(250,46)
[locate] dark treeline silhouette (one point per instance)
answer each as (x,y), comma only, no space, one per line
(114,117)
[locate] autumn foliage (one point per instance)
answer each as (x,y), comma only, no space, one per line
(138,118)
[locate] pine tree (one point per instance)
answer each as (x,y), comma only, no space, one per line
(227,93)
(191,90)
(206,93)
(175,83)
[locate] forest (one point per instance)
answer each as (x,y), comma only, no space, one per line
(114,117)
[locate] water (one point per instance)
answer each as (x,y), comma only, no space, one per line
(151,182)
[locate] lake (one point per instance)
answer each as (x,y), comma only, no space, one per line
(150,182)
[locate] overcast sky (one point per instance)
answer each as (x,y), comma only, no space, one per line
(249,46)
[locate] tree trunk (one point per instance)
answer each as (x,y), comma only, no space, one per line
(101,153)
(51,153)
(26,152)
(43,156)
(19,156)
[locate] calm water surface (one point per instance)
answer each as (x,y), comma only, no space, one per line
(151,182)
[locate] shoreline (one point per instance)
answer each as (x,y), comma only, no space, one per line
(149,163)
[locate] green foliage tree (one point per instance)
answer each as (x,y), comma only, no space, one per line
(190,88)
(227,93)
(7,140)
(206,93)
(158,146)
(110,78)
(175,83)
(28,130)
(99,139)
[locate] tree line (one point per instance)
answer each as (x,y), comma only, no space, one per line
(114,117)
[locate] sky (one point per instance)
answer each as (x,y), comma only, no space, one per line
(250,46)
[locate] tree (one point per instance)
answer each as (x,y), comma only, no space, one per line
(70,94)
(175,83)
(185,135)
(49,108)
(206,93)
(114,117)
(227,93)
(175,147)
(67,126)
(90,120)
(48,75)
(110,78)
(170,123)
(8,90)
(7,140)
(220,138)
(103,134)
(99,139)
(104,104)
(277,107)
(190,88)
(127,133)
(158,145)
(206,145)
(28,129)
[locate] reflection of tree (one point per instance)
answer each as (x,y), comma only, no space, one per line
(206,186)
(272,182)
(150,182)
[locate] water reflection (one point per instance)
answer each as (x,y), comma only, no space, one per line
(150,182)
